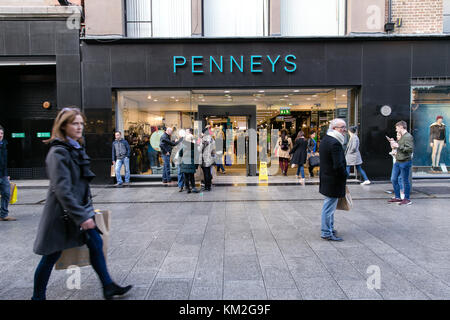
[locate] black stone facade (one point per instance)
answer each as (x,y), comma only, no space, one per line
(23,88)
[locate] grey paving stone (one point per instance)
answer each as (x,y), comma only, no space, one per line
(319,288)
(240,247)
(276,277)
(170,289)
(244,290)
(206,293)
(306,267)
(141,279)
(358,290)
(178,267)
(241,267)
(283,294)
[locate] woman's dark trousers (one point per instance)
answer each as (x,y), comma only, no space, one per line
(45,266)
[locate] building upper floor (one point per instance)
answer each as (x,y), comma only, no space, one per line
(238,18)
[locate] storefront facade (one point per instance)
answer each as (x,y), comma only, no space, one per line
(370,82)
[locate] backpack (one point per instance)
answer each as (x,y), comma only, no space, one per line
(285,145)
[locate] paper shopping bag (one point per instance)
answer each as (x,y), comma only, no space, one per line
(113,170)
(345,203)
(79,256)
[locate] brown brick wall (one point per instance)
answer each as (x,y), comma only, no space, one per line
(418,16)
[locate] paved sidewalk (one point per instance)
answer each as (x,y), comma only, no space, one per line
(248,242)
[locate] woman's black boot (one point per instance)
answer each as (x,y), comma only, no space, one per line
(112,289)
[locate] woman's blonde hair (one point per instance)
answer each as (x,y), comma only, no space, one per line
(65,116)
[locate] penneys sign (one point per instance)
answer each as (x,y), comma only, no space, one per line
(232,64)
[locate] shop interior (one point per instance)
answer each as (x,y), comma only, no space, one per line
(142,116)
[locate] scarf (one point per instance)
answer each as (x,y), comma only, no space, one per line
(337,135)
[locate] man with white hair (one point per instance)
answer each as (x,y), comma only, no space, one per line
(333,175)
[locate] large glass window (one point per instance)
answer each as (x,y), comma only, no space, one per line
(158,18)
(312,18)
(430,112)
(233,18)
(446,18)
(143,115)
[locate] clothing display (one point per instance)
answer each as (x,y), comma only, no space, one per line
(437,140)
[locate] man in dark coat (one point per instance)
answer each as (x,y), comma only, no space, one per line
(333,175)
(166,145)
(5,187)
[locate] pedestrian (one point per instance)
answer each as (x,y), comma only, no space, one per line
(5,186)
(284,145)
(188,166)
(166,145)
(299,154)
(177,161)
(333,175)
(312,152)
(353,156)
(121,152)
(400,181)
(207,149)
(403,163)
(68,217)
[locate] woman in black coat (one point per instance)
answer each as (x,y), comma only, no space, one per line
(299,155)
(68,217)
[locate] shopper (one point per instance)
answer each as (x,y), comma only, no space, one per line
(403,163)
(177,161)
(68,217)
(207,149)
(166,145)
(284,145)
(188,166)
(152,157)
(312,152)
(5,186)
(299,153)
(121,152)
(333,175)
(400,181)
(353,156)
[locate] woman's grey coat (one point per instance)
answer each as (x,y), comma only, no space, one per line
(352,155)
(68,195)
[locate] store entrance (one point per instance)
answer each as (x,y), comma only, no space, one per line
(234,130)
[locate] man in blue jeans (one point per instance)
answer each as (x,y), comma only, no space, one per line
(121,152)
(403,163)
(333,176)
(5,186)
(166,145)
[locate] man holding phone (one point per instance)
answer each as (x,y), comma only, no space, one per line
(403,163)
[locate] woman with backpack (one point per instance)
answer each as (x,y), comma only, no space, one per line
(284,145)
(299,154)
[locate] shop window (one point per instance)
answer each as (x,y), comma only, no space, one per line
(312,18)
(430,114)
(233,18)
(446,19)
(158,18)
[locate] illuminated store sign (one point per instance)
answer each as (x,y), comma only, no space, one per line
(231,64)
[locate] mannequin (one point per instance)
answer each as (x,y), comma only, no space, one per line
(437,141)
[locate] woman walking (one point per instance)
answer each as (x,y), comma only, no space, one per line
(68,217)
(284,145)
(353,156)
(299,153)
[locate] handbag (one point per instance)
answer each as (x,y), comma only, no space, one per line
(314,161)
(198,176)
(13,193)
(345,203)
(79,256)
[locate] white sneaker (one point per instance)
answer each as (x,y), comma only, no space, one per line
(365,182)
(402,195)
